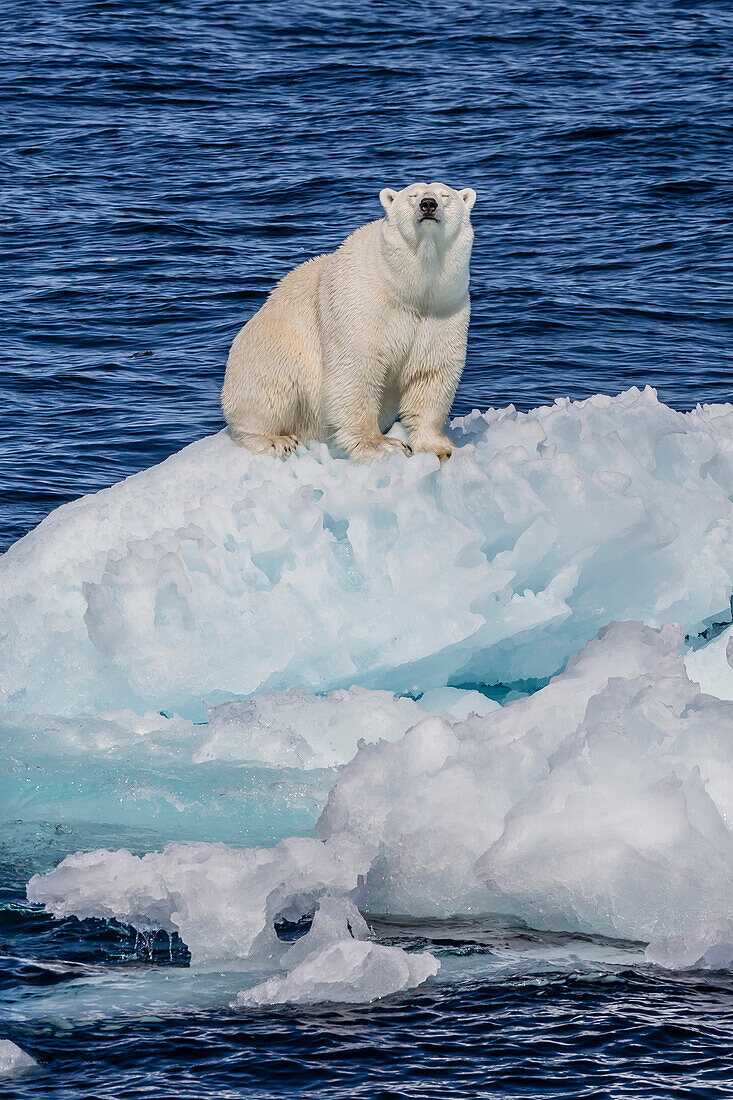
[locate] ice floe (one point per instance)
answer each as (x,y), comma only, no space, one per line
(236,648)
(218,574)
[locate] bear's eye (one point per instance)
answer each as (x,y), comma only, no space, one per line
(446,198)
(412,197)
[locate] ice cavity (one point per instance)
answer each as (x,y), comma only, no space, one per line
(456,702)
(14,1060)
(223,902)
(603,803)
(219,574)
(335,962)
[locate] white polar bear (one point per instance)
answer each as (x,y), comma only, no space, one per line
(350,340)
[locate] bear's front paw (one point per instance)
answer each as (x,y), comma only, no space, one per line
(367,449)
(440,445)
(282,445)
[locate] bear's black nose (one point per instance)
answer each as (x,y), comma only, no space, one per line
(428,206)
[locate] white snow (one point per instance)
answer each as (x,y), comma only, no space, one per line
(219,574)
(14,1060)
(303,730)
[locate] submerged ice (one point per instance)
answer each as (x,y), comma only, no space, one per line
(257,770)
(13,1060)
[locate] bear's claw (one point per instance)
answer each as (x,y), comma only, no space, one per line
(282,445)
(443,448)
(366,450)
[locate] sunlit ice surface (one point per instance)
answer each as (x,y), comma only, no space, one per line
(530,792)
(593,803)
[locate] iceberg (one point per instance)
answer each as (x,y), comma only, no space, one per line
(218,574)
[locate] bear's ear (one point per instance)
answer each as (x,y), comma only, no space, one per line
(387,196)
(469,197)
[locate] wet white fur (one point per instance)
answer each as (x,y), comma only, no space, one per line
(350,340)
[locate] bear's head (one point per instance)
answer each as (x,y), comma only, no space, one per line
(429,211)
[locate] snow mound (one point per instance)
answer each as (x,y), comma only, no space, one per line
(220,574)
(303,730)
(14,1060)
(603,803)
(334,962)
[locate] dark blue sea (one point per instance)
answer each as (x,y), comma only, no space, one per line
(162,166)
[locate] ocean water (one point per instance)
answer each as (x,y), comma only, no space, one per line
(163,166)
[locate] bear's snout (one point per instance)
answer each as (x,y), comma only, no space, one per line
(428,208)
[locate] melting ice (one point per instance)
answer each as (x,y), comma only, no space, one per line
(234,648)
(602,803)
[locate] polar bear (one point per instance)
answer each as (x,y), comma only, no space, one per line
(349,341)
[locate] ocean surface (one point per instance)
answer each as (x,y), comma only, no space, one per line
(163,165)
